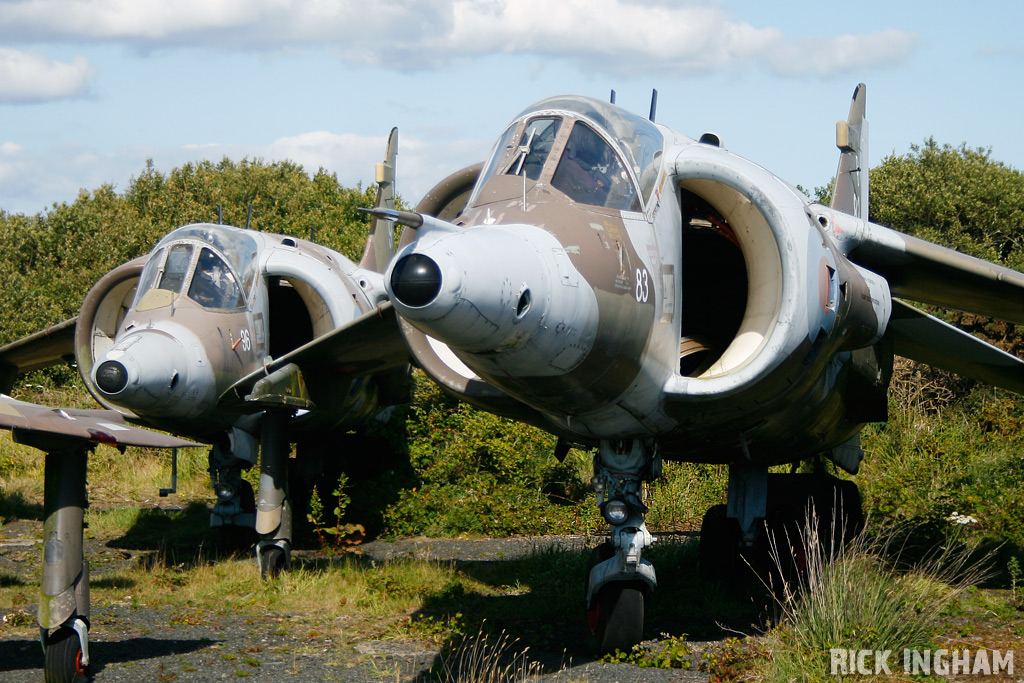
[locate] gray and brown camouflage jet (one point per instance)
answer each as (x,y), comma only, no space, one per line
(655,297)
(243,340)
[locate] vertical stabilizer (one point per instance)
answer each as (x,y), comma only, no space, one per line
(380,245)
(850,194)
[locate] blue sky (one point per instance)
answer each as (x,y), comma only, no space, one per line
(91,89)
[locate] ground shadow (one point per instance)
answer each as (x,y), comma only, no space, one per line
(12,581)
(540,604)
(17,655)
(181,537)
(14,506)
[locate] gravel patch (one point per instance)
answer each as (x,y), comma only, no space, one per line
(143,643)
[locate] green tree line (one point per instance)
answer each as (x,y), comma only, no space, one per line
(50,261)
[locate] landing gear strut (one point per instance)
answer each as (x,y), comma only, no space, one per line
(64,598)
(619,577)
(234,512)
(274,511)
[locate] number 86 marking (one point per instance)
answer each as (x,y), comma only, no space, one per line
(643,289)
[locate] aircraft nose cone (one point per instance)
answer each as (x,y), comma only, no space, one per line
(156,372)
(111,377)
(416,280)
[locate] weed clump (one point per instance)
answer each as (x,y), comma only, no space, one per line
(483,658)
(860,597)
(671,653)
(339,533)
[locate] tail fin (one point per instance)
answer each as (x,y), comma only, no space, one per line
(850,194)
(380,245)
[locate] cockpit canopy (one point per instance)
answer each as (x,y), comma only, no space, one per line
(214,265)
(593,152)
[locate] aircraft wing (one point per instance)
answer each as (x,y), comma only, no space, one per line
(52,346)
(371,343)
(924,338)
(925,272)
(52,428)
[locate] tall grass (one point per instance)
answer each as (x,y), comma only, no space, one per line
(485,659)
(860,597)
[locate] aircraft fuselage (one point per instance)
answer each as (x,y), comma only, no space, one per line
(624,281)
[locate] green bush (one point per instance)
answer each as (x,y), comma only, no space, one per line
(679,499)
(961,465)
(479,473)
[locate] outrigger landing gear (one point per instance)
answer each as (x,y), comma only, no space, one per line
(64,598)
(274,510)
(620,578)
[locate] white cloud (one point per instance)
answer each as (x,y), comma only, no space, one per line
(31,179)
(422,161)
(28,77)
(843,54)
(253,24)
(613,36)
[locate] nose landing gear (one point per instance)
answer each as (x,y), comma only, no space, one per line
(620,579)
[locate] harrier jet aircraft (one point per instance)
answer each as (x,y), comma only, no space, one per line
(605,278)
(244,340)
(655,297)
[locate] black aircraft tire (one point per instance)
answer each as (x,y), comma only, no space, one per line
(63,657)
(851,509)
(778,557)
(719,551)
(272,562)
(620,623)
(239,539)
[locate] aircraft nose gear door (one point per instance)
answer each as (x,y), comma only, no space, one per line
(620,578)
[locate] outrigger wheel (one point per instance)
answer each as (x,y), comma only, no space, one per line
(616,613)
(63,657)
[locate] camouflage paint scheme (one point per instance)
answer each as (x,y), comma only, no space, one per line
(807,365)
(652,297)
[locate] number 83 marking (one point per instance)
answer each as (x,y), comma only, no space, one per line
(643,287)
